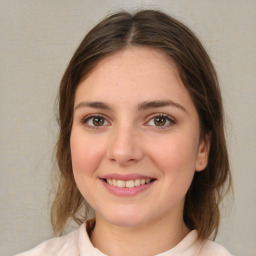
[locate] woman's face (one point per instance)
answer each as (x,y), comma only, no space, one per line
(135,138)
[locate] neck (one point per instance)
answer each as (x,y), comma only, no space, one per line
(148,239)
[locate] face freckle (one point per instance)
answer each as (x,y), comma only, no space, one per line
(133,90)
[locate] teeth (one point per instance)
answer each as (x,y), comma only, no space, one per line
(121,183)
(128,183)
(109,181)
(137,183)
(114,183)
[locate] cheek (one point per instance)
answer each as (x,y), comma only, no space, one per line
(176,158)
(85,153)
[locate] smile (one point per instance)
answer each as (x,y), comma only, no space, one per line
(127,183)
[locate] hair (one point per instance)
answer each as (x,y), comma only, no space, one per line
(157,30)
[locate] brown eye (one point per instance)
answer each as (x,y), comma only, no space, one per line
(98,121)
(95,121)
(160,121)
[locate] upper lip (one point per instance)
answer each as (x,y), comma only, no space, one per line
(125,177)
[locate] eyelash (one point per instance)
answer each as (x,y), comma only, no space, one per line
(167,118)
(86,119)
(171,121)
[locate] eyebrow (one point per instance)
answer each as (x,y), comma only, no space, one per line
(96,105)
(142,106)
(160,103)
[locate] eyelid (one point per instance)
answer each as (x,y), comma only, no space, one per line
(86,118)
(168,117)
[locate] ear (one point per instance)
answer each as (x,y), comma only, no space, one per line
(203,153)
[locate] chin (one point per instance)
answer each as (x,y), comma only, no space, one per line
(127,219)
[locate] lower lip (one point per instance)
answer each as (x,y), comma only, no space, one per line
(127,191)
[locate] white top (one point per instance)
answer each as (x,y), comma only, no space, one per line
(77,243)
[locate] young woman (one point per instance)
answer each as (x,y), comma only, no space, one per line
(141,141)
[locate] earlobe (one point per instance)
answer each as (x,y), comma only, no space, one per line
(203,153)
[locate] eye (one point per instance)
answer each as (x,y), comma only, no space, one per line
(95,121)
(161,121)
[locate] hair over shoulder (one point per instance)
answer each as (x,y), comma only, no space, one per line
(154,29)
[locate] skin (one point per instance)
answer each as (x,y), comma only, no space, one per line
(131,140)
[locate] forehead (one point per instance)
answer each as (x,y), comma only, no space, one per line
(128,78)
(136,68)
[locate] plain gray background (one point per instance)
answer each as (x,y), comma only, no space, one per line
(37,39)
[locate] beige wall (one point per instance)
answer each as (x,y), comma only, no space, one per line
(37,38)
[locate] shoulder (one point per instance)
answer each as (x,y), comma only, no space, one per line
(65,246)
(211,248)
(191,245)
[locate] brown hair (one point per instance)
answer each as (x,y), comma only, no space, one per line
(160,31)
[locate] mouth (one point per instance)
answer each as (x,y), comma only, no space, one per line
(128,183)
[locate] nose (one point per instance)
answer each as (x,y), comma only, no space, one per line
(124,147)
